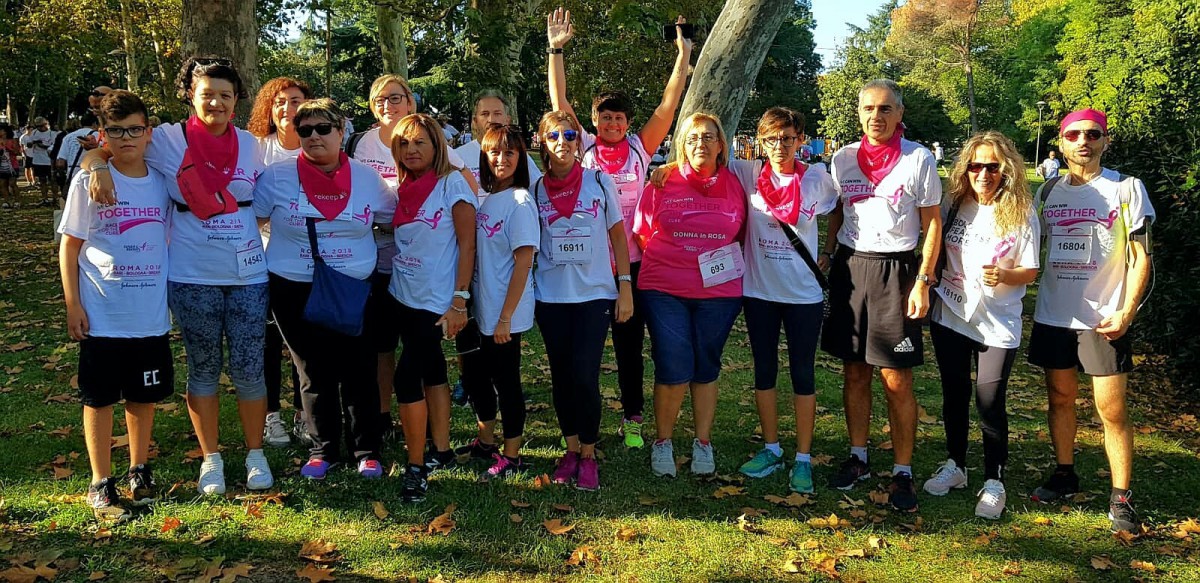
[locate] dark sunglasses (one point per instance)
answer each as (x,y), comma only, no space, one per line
(568,135)
(322,129)
(1092,135)
(977,167)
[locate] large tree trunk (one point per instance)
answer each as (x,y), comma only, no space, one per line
(132,80)
(225,28)
(392,35)
(732,55)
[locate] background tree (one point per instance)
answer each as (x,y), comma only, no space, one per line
(788,76)
(227,28)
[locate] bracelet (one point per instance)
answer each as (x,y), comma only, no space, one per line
(508,321)
(458,309)
(554,50)
(102,166)
(829,253)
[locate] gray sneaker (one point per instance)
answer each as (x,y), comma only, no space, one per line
(991,500)
(702,459)
(275,432)
(946,478)
(662,458)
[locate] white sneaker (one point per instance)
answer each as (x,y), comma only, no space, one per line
(991,500)
(662,458)
(258,472)
(275,433)
(945,478)
(702,459)
(212,475)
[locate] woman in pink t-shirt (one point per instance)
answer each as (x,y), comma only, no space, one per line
(689,224)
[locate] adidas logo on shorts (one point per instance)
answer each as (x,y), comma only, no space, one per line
(905,345)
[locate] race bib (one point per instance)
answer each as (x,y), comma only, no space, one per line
(570,245)
(305,208)
(953,291)
(251,260)
(722,264)
(1068,245)
(624,177)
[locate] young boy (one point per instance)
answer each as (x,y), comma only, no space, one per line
(113,262)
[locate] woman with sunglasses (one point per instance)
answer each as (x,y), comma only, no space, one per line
(506,240)
(577,295)
(431,273)
(341,199)
(990,246)
(217,273)
(780,287)
(689,224)
(623,156)
(271,122)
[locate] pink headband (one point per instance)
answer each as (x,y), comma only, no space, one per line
(1084,114)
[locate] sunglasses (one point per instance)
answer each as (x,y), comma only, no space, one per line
(568,135)
(977,167)
(322,129)
(1092,135)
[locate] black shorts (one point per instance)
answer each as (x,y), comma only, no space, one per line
(381,326)
(868,299)
(41,171)
(1051,347)
(138,370)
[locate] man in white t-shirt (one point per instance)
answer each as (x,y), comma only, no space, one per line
(76,143)
(1049,167)
(878,289)
(490,106)
(1097,224)
(37,148)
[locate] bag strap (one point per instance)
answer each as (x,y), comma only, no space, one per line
(78,153)
(352,145)
(311,223)
(798,245)
(941,261)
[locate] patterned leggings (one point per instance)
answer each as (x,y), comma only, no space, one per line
(207,314)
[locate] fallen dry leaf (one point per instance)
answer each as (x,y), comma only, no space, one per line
(319,551)
(1125,538)
(541,481)
(1102,563)
(97,575)
(19,574)
(563,508)
(583,555)
(1043,521)
(555,527)
(230,574)
(878,497)
(170,523)
(442,524)
(515,518)
(381,511)
(648,500)
(61,473)
(727,491)
(876,542)
(887,445)
(1143,566)
(120,441)
(793,500)
(519,504)
(626,534)
(745,524)
(315,574)
(832,522)
(853,553)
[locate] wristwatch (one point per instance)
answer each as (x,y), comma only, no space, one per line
(462,293)
(554,50)
(922,277)
(628,278)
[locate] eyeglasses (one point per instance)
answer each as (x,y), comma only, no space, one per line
(119,132)
(322,129)
(694,139)
(977,167)
(394,99)
(568,135)
(1092,135)
(774,141)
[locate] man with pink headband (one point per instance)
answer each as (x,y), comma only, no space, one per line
(1097,227)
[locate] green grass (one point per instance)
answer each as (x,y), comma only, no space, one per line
(680,531)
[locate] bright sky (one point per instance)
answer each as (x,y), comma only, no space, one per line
(832,17)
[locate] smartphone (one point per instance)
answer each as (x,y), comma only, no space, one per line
(689,31)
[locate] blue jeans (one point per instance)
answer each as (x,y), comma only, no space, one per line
(687,336)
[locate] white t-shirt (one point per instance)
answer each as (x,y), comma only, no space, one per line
(630,181)
(506,221)
(272,150)
(1050,167)
(208,252)
(469,154)
(425,265)
(123,261)
(574,265)
(70,150)
(1083,281)
(885,218)
(346,243)
(37,146)
(990,315)
(774,270)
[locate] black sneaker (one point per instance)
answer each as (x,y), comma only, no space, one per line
(901,493)
(106,505)
(853,471)
(440,460)
(1060,485)
(478,450)
(415,484)
(1123,516)
(141,486)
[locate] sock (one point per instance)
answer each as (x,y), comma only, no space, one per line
(1064,469)
(804,457)
(255,452)
(774,448)
(662,441)
(859,452)
(899,469)
(1119,494)
(214,457)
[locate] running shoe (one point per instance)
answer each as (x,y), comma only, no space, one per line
(901,493)
(457,395)
(105,503)
(478,450)
(416,483)
(947,477)
(1122,514)
(801,479)
(258,471)
(275,432)
(852,471)
(300,429)
(991,500)
(370,469)
(662,458)
(440,460)
(1060,485)
(502,467)
(631,430)
(316,469)
(212,475)
(141,485)
(763,464)
(702,458)
(566,469)
(588,479)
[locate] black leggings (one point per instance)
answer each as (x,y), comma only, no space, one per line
(498,366)
(272,372)
(574,336)
(629,343)
(954,355)
(422,363)
(801,323)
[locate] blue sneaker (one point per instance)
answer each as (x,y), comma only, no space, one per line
(801,480)
(763,464)
(316,469)
(458,395)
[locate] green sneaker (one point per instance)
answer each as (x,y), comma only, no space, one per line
(763,464)
(801,480)
(632,430)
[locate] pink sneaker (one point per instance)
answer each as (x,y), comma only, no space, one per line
(568,466)
(589,475)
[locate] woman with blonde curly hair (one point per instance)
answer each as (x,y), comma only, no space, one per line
(990,250)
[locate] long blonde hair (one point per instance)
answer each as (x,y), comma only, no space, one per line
(411,125)
(1013,199)
(689,123)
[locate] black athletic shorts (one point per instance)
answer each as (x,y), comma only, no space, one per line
(138,370)
(381,326)
(868,299)
(1057,348)
(41,171)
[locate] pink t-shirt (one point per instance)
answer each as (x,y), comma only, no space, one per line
(677,223)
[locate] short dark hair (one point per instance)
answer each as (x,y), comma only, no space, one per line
(120,104)
(88,119)
(614,101)
(211,67)
(505,138)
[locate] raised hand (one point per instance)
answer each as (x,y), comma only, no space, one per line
(559,30)
(682,44)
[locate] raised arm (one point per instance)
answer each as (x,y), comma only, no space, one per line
(559,32)
(659,124)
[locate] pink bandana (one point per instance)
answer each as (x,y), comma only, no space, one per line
(564,192)
(876,162)
(612,157)
(328,193)
(784,203)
